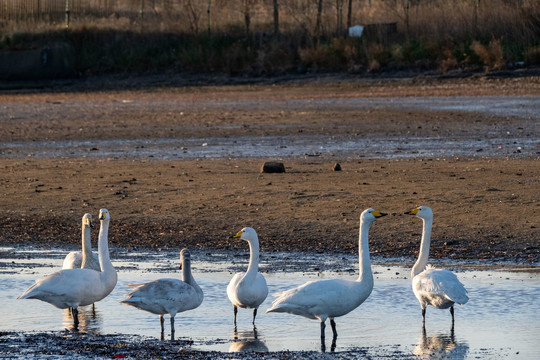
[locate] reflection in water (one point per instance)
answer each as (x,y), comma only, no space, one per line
(441,346)
(247,341)
(90,319)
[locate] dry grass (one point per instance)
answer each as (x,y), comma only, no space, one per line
(438,34)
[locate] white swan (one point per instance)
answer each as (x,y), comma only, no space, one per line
(325,299)
(249,289)
(168,296)
(85,259)
(78,287)
(439,288)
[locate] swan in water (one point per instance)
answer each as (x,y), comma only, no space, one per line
(249,289)
(168,296)
(85,259)
(325,299)
(71,288)
(439,288)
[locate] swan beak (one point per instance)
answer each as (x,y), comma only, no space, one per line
(412,212)
(378,214)
(239,234)
(91,224)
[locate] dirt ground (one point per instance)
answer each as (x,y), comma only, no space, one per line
(485,207)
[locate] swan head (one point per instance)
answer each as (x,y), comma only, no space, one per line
(248,234)
(185,258)
(370,215)
(423,212)
(87,220)
(104,215)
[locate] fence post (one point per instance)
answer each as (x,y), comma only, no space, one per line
(141,14)
(67,13)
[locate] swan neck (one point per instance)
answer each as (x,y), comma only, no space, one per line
(86,244)
(103,247)
(423,256)
(253,267)
(187,276)
(186,272)
(364,262)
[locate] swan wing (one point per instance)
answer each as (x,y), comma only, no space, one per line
(72,260)
(164,296)
(440,283)
(67,288)
(321,299)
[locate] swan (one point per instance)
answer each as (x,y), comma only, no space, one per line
(71,288)
(86,258)
(249,289)
(168,296)
(325,299)
(439,288)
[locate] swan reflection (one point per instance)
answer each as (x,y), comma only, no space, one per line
(247,341)
(90,319)
(441,346)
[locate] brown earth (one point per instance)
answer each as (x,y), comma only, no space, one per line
(485,207)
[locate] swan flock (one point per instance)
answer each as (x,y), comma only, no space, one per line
(87,278)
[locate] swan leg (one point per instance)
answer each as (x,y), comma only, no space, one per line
(334,337)
(235,311)
(423,317)
(172,327)
(452,312)
(94,310)
(254,315)
(162,320)
(334,331)
(75,314)
(323,345)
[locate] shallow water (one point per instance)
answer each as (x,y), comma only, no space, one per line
(501,319)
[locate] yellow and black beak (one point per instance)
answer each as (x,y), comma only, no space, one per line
(412,212)
(238,234)
(378,214)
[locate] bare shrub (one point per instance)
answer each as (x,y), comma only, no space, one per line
(491,55)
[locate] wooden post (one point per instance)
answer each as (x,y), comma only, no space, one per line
(67,13)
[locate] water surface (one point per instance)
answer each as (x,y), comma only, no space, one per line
(501,319)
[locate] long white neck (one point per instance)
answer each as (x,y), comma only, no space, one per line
(86,245)
(187,277)
(423,256)
(103,247)
(364,262)
(253,267)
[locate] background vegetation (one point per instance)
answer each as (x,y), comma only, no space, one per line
(258,37)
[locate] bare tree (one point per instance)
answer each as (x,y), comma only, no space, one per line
(339,13)
(318,21)
(276,17)
(349,14)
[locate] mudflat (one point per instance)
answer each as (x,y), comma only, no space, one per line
(486,204)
